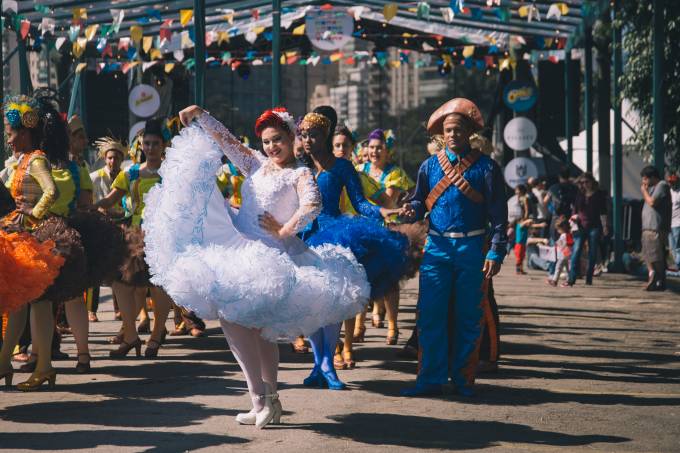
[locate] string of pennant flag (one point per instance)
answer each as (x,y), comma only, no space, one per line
(167,47)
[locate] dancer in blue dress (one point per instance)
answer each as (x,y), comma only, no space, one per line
(383,253)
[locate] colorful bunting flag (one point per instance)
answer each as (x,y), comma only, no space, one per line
(90,31)
(389,11)
(24,28)
(185,16)
(136,33)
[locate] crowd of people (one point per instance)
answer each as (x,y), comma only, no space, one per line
(565,229)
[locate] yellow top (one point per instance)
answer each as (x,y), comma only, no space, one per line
(370,188)
(136,191)
(31,183)
(67,188)
(393,176)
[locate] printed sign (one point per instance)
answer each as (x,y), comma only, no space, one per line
(520,133)
(144,101)
(519,95)
(519,170)
(329,30)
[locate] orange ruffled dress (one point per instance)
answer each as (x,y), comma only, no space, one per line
(27,268)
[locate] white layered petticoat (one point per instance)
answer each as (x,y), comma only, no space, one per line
(206,264)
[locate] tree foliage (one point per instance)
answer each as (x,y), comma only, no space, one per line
(636,19)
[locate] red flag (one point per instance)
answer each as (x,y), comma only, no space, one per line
(25,27)
(256,14)
(326,7)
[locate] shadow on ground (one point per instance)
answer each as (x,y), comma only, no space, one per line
(144,441)
(433,433)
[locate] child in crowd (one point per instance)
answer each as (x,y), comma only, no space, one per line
(522,228)
(564,247)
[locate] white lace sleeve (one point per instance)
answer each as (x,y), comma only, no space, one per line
(246,160)
(309,199)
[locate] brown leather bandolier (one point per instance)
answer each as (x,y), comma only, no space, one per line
(454,175)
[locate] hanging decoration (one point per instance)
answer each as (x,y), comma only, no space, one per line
(390,11)
(185,16)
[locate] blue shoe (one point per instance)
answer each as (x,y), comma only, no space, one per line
(332,380)
(314,379)
(423,390)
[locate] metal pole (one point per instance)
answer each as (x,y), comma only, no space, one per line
(199,52)
(568,106)
(588,98)
(617,173)
(657,112)
(276,53)
(24,74)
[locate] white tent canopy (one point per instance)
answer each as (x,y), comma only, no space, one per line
(632,161)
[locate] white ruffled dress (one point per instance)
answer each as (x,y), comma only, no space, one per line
(222,264)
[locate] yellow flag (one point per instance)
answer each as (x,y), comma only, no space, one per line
(185,16)
(77,49)
(468,51)
(564,9)
(169,67)
(389,11)
(395,63)
(258,30)
(79,13)
(147,43)
(155,54)
(91,31)
(299,30)
(229,18)
(523,11)
(222,36)
(136,33)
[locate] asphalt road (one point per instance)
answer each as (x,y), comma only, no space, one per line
(584,368)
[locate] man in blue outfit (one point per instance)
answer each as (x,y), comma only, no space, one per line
(463,190)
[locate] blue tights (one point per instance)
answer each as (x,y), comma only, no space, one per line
(323,343)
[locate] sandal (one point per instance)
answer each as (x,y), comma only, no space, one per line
(392,337)
(151,352)
(83,367)
(339,362)
(180,329)
(299,346)
(348,358)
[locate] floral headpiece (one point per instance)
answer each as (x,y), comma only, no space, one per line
(22,111)
(288,119)
(107,144)
(316,120)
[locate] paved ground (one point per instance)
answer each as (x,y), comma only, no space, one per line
(582,369)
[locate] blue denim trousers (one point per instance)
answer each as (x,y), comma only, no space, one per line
(592,235)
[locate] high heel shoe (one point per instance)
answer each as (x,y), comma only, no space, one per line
(83,367)
(392,337)
(348,358)
(151,352)
(377,322)
(333,381)
(267,414)
(37,380)
(124,348)
(314,379)
(7,376)
(247,418)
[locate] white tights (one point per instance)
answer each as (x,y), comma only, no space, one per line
(257,357)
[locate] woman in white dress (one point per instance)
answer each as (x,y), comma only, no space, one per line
(247,269)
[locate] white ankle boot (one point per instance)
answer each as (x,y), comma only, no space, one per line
(271,412)
(246,418)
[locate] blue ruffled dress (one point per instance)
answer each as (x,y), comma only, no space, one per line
(383,253)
